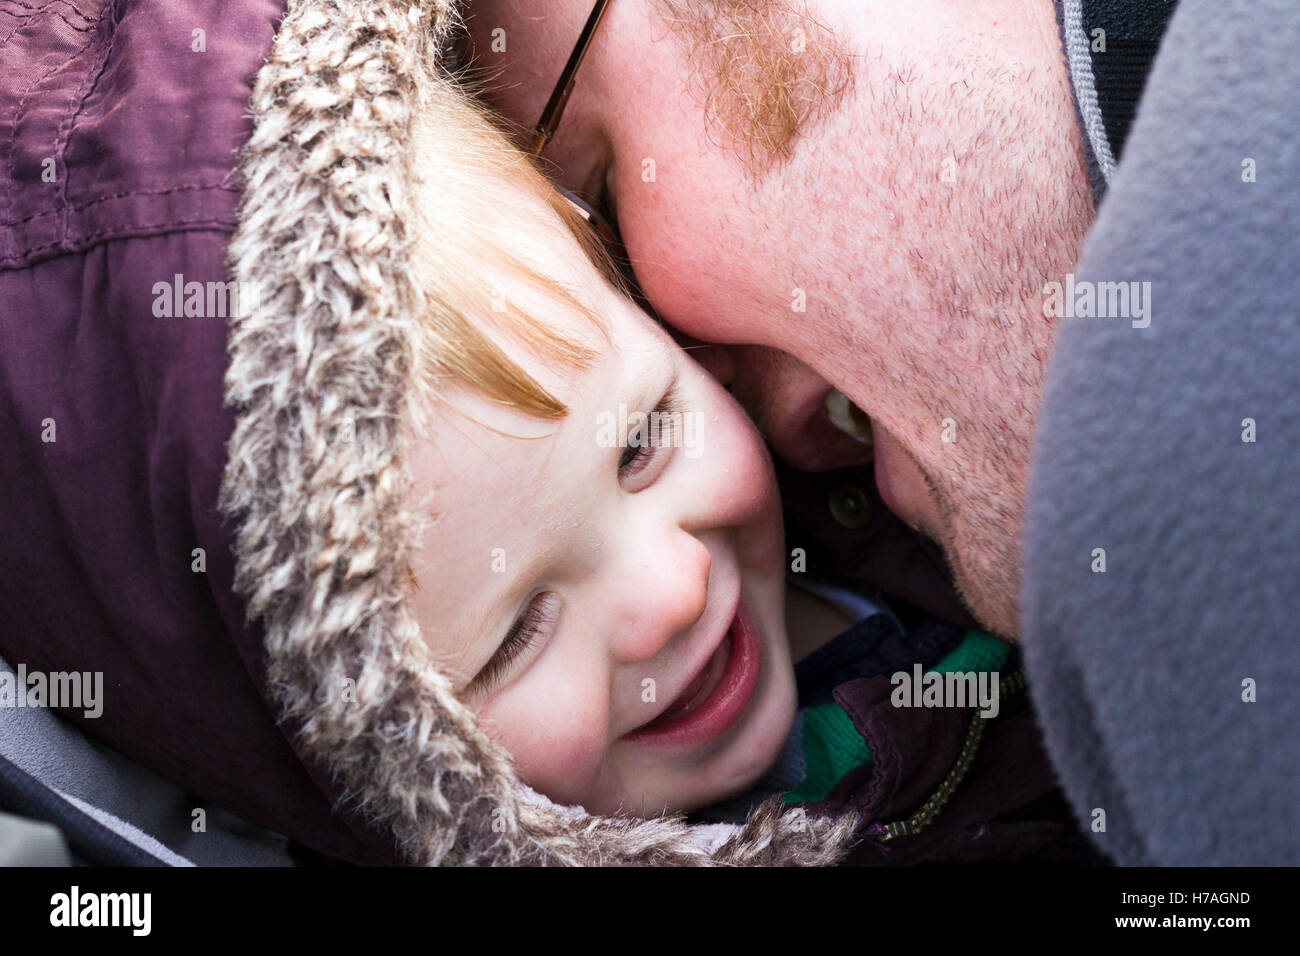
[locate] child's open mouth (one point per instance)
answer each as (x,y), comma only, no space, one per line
(717,696)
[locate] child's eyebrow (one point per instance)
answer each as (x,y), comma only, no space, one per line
(648,388)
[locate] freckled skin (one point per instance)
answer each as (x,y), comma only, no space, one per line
(923,291)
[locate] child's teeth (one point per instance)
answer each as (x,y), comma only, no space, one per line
(847,417)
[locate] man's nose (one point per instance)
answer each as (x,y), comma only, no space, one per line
(670,596)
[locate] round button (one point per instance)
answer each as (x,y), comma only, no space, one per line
(851,506)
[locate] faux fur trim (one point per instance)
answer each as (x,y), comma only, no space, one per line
(321,370)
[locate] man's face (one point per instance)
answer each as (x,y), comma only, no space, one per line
(877,191)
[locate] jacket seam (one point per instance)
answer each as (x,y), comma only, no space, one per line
(26,18)
(223,225)
(49,3)
(88,84)
(17,121)
(78,207)
(23,20)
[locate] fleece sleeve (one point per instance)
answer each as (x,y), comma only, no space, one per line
(1168,684)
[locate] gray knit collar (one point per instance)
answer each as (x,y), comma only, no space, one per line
(1109,47)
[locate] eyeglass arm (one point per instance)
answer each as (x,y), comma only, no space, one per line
(545,128)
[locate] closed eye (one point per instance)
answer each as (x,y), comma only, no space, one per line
(532,626)
(650,442)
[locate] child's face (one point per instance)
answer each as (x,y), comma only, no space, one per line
(646,584)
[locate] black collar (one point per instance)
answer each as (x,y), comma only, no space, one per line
(1109,46)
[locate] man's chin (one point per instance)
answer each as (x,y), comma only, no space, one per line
(999,617)
(981,544)
(987,584)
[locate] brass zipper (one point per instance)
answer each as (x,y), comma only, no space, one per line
(925,814)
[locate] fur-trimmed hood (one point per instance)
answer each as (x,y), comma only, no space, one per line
(320,373)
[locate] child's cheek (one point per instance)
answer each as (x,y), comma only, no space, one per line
(557,738)
(751,493)
(740,445)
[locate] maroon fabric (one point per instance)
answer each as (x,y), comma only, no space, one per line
(1008,807)
(140,131)
(884,555)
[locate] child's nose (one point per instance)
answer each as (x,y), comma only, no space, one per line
(670,597)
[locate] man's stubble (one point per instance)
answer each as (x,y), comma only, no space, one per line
(979,196)
(952,200)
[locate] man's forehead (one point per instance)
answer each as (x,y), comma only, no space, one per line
(515,52)
(530,39)
(763,73)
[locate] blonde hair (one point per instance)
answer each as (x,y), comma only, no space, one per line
(470,182)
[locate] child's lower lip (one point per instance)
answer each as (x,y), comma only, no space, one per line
(728,700)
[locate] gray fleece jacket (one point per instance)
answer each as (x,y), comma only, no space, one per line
(1162,589)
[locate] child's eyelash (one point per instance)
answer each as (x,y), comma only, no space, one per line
(639,453)
(527,630)
(637,456)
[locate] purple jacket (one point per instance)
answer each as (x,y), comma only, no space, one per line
(119,125)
